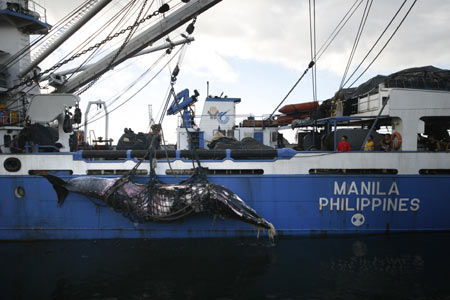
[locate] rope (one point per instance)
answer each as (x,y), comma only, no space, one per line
(39,41)
(311,64)
(79,47)
(132,96)
(168,160)
(338,28)
(125,42)
(126,177)
(161,10)
(357,39)
(113,99)
(322,50)
(312,39)
(376,42)
(387,42)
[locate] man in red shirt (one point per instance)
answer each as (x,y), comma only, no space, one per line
(343,144)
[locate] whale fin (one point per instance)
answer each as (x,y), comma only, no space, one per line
(58,185)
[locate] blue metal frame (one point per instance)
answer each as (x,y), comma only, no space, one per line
(23,16)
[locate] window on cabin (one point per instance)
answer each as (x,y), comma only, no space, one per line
(434,130)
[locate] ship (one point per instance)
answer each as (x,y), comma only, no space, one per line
(304,189)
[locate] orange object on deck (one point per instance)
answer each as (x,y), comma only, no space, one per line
(299,107)
(286,119)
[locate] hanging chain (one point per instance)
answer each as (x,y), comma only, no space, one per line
(163,9)
(127,39)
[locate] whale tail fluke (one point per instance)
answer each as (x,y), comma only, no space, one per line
(58,185)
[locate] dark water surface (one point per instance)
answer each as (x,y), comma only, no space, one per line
(412,266)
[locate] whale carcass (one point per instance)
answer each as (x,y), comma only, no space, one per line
(161,202)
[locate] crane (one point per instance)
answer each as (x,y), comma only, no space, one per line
(155,32)
(63,98)
(184,105)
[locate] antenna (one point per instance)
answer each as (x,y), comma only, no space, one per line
(207,89)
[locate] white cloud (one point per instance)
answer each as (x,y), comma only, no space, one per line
(204,62)
(277,32)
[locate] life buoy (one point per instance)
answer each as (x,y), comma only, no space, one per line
(396,140)
(12,164)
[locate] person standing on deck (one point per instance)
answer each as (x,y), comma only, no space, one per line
(343,145)
(369,146)
(386,143)
(14,145)
(433,144)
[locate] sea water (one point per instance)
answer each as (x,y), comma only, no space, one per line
(399,266)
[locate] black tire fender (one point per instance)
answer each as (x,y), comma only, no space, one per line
(12,164)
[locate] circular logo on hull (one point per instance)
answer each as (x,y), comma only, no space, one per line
(358,219)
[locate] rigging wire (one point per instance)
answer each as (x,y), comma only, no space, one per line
(163,108)
(134,29)
(362,24)
(387,42)
(311,45)
(120,94)
(87,41)
(312,39)
(322,50)
(113,99)
(376,42)
(66,25)
(172,93)
(124,91)
(118,17)
(116,45)
(42,39)
(100,50)
(173,74)
(167,157)
(97,45)
(119,51)
(132,96)
(125,11)
(315,53)
(338,28)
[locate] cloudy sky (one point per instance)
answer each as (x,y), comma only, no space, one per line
(257,49)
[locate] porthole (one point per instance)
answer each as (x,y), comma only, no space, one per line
(19,192)
(12,164)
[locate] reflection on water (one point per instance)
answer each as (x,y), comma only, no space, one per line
(412,266)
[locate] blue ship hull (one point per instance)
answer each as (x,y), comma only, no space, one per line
(295,204)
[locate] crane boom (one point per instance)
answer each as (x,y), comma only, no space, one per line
(84,16)
(182,15)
